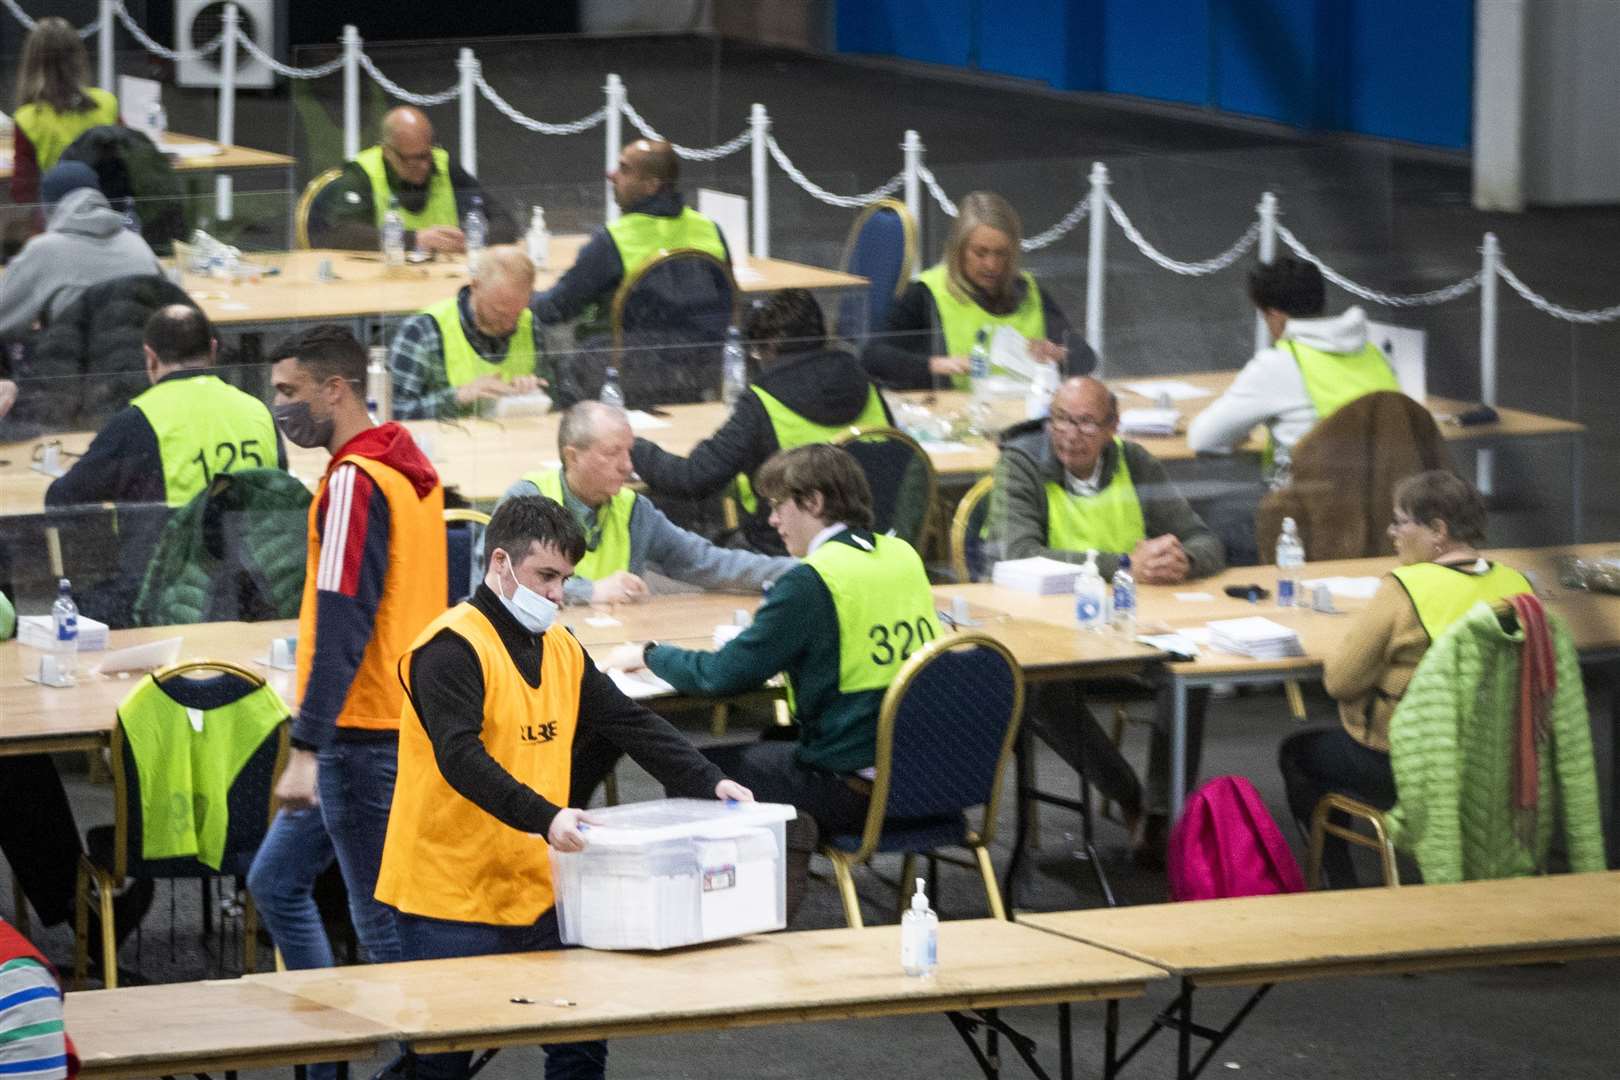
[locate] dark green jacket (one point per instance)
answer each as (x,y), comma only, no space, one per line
(796,631)
(236,551)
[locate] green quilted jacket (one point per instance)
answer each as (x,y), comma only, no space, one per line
(1451,748)
(236,551)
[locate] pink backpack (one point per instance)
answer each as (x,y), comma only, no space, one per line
(1226,844)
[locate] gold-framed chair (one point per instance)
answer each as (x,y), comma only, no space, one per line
(882,247)
(114,853)
(967,527)
(963,691)
(306,200)
(1322,827)
(668,321)
(902,478)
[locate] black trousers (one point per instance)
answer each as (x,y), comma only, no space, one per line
(1326,760)
(38,836)
(1058,713)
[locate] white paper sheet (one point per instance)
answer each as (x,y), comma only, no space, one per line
(641,420)
(1174,389)
(730,213)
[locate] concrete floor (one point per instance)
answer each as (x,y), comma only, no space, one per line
(1397,221)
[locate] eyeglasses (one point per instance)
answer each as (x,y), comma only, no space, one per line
(424,158)
(1083,424)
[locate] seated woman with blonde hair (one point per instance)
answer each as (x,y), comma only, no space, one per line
(977,285)
(1439,524)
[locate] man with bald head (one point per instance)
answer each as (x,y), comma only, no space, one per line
(1067,485)
(434,194)
(653,218)
(471,348)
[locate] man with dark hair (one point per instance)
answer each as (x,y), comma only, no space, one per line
(839,626)
(1315,366)
(376,575)
(165,446)
(627,534)
(806,392)
(653,218)
(433,192)
(496,693)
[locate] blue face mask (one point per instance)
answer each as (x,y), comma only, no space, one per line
(532,611)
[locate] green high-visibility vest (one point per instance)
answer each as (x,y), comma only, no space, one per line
(205,427)
(52,132)
(610,551)
(1110,520)
(463,363)
(1334,380)
(440,208)
(885,608)
(639,237)
(794,430)
(961,320)
(1443,594)
(187,759)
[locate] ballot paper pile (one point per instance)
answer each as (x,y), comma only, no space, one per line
(1255,636)
(1039,575)
(673,872)
(1149,422)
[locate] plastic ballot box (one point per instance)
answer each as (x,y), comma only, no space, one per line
(658,875)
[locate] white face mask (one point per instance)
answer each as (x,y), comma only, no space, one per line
(534,612)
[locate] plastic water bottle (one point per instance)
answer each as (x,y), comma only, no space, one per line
(475,230)
(979,383)
(65,644)
(131,222)
(1290,557)
(1091,596)
(538,240)
(1124,613)
(157,121)
(733,368)
(919,936)
(379,385)
(393,235)
(611,394)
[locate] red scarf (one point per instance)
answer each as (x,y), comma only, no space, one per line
(1538,681)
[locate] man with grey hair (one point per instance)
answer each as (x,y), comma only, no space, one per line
(625,533)
(481,344)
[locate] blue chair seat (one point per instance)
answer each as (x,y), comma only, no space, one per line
(909,836)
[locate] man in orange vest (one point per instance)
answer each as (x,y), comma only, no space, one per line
(376,576)
(495,693)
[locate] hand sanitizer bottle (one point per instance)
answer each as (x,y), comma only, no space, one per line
(919,936)
(538,240)
(1091,596)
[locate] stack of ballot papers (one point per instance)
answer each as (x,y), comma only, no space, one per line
(39,632)
(1347,588)
(1255,636)
(1039,575)
(1148,421)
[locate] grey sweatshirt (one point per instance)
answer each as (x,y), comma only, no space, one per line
(676,553)
(84,244)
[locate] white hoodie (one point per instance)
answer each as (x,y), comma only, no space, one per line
(1270,390)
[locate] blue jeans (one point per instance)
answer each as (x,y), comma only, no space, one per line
(435,939)
(357,790)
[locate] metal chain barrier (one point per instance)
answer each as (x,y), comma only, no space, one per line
(816,191)
(318,72)
(1192,269)
(584,123)
(166,53)
(28,21)
(944,200)
(690,153)
(1060,230)
(1422,299)
(1557,311)
(398,91)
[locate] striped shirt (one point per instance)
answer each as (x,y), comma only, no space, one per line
(33,1042)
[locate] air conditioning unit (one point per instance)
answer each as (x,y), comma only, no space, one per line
(197,22)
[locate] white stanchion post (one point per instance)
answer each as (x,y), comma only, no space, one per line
(1094,257)
(611,140)
(1490,260)
(351,92)
(105,76)
(760,122)
(913,148)
(1268,252)
(467,65)
(227,107)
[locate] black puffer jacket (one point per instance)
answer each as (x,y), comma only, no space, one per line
(128,165)
(88,363)
(825,387)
